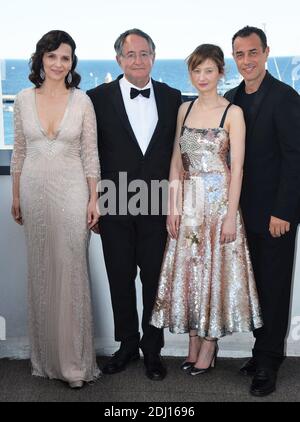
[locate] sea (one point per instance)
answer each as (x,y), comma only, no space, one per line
(173,72)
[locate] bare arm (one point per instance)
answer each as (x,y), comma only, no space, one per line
(237,133)
(176,170)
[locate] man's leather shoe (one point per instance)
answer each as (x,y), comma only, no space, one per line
(249,368)
(155,370)
(120,360)
(264,382)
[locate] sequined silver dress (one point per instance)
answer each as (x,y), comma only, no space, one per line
(54,196)
(204,285)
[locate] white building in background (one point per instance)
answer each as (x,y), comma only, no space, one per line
(2,328)
(1,105)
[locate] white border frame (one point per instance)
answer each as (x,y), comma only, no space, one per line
(2,146)
(2,135)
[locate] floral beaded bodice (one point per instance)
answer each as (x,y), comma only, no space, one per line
(204,150)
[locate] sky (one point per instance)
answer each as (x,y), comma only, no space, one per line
(176,26)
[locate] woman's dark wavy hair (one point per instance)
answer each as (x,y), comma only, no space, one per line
(50,42)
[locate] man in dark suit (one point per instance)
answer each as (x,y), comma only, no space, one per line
(270,196)
(136,119)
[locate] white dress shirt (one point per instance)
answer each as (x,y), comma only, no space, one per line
(141,112)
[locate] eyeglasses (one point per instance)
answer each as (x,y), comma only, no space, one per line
(133,56)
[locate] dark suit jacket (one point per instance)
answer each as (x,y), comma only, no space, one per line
(271,183)
(119,150)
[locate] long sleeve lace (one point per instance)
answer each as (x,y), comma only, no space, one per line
(89,150)
(19,151)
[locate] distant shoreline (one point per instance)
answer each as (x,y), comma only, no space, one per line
(160,59)
(170,71)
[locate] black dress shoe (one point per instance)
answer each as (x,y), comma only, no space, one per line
(120,360)
(155,370)
(264,382)
(249,368)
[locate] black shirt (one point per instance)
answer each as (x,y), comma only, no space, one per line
(246,102)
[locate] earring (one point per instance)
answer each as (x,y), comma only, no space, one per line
(69,78)
(42,74)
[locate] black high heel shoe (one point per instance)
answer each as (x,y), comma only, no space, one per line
(187,365)
(196,371)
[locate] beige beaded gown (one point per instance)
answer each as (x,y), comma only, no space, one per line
(54,197)
(204,285)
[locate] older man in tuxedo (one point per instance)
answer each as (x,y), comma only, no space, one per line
(270,196)
(136,119)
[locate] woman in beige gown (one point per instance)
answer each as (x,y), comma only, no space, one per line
(55,169)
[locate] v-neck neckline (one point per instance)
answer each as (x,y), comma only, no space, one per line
(61,122)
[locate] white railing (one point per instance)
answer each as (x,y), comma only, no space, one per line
(2,146)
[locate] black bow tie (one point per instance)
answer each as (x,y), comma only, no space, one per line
(135,92)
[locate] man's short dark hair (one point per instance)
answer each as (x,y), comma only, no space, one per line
(249,30)
(121,39)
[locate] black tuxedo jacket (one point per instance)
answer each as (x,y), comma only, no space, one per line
(119,150)
(271,183)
